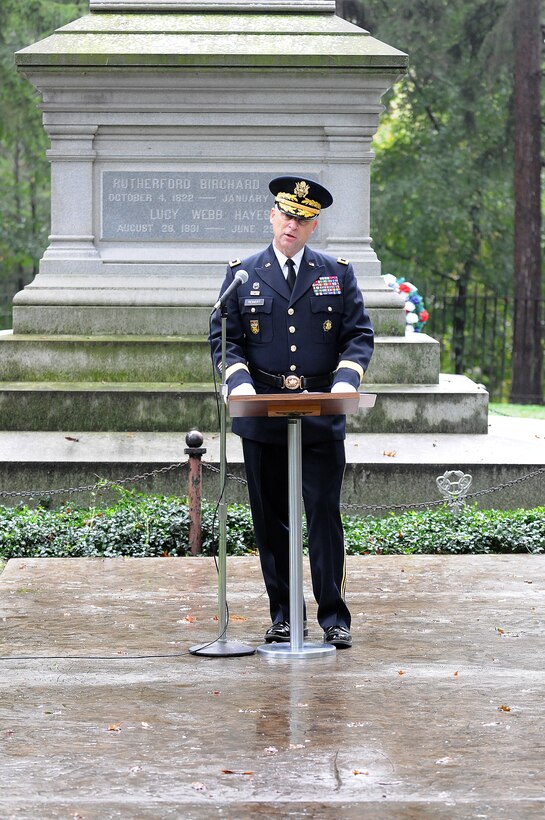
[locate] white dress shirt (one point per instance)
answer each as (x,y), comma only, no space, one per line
(282,260)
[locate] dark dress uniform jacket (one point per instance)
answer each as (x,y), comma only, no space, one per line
(322,323)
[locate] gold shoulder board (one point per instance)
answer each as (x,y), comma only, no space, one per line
(234,262)
(342,261)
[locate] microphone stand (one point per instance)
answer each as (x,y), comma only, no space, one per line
(221,647)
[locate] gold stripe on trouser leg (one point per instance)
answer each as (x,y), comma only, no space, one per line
(343,581)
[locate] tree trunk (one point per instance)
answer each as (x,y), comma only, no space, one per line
(527,361)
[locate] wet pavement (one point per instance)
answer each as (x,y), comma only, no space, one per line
(437,711)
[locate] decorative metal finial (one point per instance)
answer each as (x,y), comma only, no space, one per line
(454,485)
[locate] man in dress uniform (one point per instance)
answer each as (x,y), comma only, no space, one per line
(298,323)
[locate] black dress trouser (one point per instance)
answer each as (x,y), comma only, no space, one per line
(323,465)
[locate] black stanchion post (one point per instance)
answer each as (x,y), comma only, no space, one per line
(195,451)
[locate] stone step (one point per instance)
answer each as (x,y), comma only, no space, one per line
(454,405)
(26,357)
(149,320)
(388,470)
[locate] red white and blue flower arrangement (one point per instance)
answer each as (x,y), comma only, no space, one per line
(416,314)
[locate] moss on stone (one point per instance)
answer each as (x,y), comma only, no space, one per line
(227,40)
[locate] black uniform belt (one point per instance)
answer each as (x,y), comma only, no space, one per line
(291,381)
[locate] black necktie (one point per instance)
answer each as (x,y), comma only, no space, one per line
(291,273)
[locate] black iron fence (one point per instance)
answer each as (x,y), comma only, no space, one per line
(476,335)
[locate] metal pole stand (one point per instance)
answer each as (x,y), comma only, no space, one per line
(195,451)
(296,648)
(221,647)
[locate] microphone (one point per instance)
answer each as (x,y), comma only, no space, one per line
(241,276)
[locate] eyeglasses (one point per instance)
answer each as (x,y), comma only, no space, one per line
(301,220)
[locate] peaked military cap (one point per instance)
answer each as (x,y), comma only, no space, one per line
(299,197)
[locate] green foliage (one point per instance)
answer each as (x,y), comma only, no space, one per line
(442,531)
(136,525)
(240,533)
(442,177)
(149,526)
(442,180)
(525,411)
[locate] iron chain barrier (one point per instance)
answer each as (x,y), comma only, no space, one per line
(99,485)
(388,507)
(103,483)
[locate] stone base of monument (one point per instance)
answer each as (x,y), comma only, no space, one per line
(162,383)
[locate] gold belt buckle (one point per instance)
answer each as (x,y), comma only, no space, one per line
(292,382)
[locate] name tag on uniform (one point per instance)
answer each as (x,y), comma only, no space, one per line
(326,286)
(250,302)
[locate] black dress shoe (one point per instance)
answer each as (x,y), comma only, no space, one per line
(280,632)
(339,636)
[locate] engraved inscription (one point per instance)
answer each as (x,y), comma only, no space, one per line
(158,206)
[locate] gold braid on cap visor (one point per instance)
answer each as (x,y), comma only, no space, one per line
(290,204)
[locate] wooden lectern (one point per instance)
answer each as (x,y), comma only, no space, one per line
(294,407)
